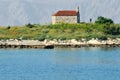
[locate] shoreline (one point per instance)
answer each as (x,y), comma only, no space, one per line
(51,44)
(56,46)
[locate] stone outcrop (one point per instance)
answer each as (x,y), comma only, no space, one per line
(14,43)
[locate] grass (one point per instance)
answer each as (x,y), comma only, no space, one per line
(61,31)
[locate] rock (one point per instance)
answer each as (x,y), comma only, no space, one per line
(93,41)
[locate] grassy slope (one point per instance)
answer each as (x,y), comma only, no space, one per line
(61,31)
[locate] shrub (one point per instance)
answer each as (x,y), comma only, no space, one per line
(8,27)
(63,38)
(42,37)
(102,37)
(30,25)
(45,30)
(112,29)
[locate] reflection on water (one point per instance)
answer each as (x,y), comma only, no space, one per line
(60,64)
(86,56)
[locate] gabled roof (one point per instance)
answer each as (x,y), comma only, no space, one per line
(66,13)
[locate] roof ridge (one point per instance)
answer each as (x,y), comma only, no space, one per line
(66,13)
(67,10)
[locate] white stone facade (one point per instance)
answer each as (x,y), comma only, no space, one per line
(64,19)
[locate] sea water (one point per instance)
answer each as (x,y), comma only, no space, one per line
(60,64)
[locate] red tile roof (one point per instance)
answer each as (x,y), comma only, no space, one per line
(66,13)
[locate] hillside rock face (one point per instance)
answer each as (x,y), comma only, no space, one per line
(20,12)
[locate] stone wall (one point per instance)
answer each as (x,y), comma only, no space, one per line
(65,19)
(53,19)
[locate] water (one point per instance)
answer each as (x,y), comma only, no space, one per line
(60,64)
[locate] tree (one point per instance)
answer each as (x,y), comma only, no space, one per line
(103,20)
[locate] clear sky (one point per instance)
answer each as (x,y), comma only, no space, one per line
(20,12)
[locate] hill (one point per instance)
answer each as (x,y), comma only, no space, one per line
(61,31)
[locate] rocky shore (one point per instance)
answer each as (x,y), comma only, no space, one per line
(50,44)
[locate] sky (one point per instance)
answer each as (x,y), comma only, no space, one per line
(21,12)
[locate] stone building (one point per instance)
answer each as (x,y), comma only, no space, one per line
(66,16)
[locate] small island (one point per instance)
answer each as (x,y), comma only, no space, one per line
(103,32)
(66,31)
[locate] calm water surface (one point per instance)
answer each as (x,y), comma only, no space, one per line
(60,64)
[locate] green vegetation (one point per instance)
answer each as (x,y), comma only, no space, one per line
(103,20)
(62,31)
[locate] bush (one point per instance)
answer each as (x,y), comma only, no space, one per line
(30,25)
(63,38)
(8,27)
(42,38)
(102,37)
(112,29)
